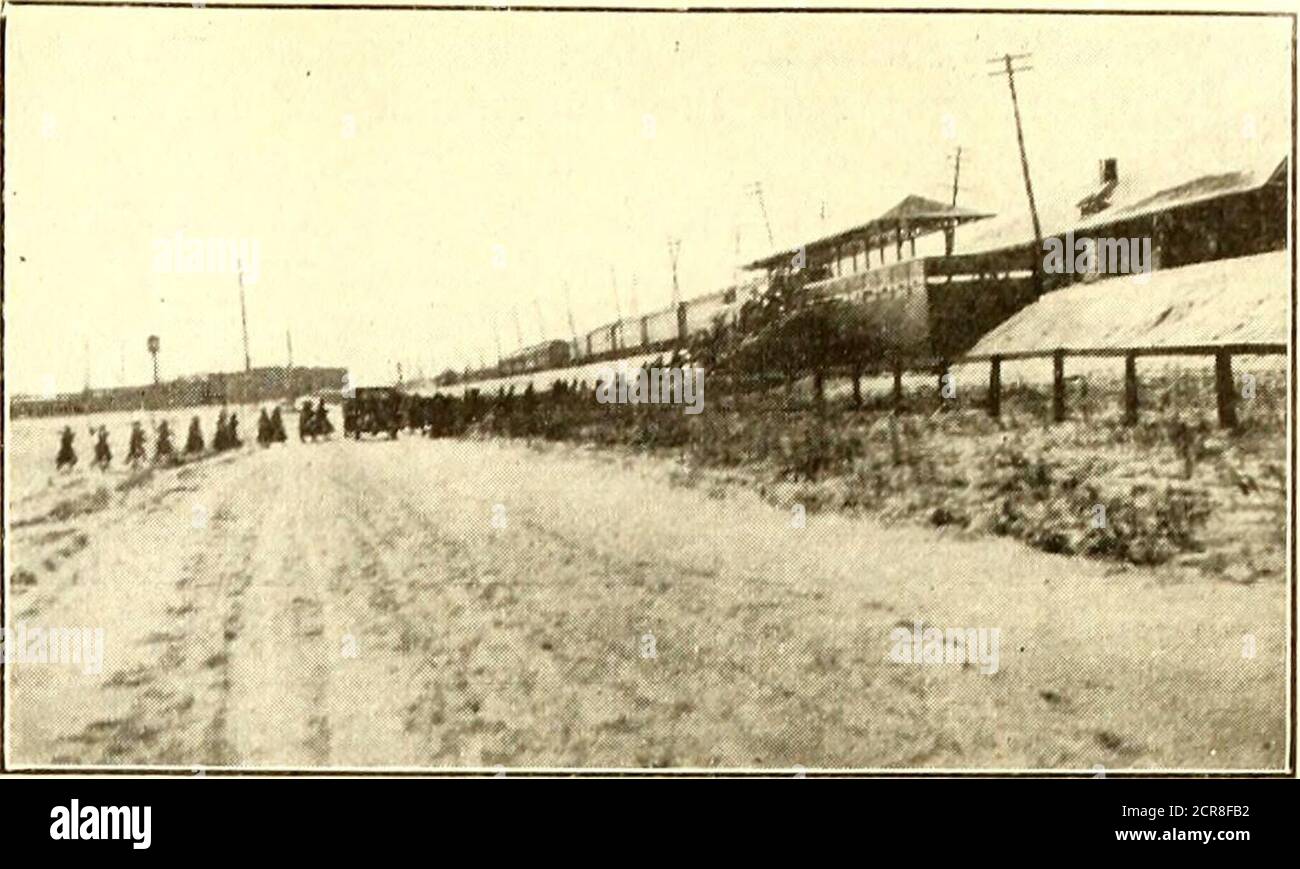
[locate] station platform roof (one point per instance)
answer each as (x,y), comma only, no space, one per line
(911,217)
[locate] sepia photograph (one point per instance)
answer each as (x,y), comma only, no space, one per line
(633,391)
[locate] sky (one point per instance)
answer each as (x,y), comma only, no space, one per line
(401,187)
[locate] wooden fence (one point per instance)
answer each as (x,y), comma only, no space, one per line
(1224,385)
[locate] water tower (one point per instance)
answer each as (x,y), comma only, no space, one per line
(153,345)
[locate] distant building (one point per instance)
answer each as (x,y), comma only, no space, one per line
(274,383)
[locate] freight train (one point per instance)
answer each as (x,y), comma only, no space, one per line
(658,330)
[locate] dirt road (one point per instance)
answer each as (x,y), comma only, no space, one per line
(449,604)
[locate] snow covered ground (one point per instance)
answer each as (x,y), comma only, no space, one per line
(463,603)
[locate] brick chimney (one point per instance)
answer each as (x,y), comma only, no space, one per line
(1109,171)
(1107,180)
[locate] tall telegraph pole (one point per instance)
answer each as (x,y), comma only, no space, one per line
(568,304)
(243,319)
(757,189)
(541,322)
(613,281)
(675,249)
(519,332)
(288,374)
(956,177)
(1009,70)
(950,233)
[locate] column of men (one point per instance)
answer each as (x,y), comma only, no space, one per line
(270,430)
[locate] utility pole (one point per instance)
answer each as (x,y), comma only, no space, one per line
(288,373)
(519,332)
(1009,70)
(956,177)
(613,281)
(243,318)
(496,337)
(541,323)
(568,304)
(950,232)
(757,189)
(735,263)
(674,250)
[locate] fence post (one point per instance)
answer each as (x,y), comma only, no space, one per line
(1130,389)
(898,387)
(1225,389)
(995,386)
(1058,386)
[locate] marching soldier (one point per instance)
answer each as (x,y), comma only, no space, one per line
(162,450)
(135,452)
(264,429)
(306,422)
(221,440)
(194,441)
(323,425)
(277,426)
(103,455)
(67,457)
(235,442)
